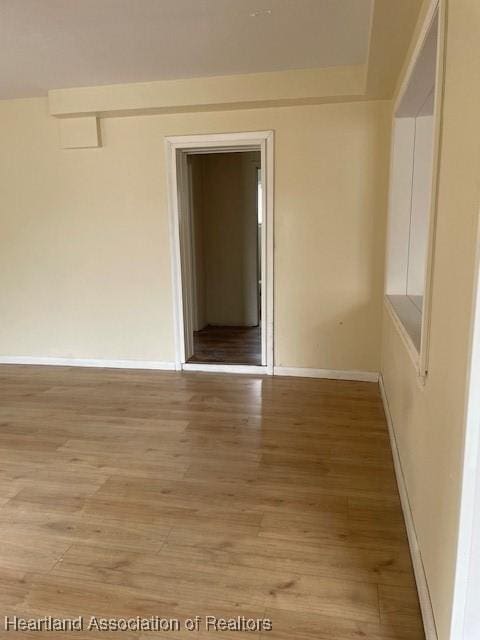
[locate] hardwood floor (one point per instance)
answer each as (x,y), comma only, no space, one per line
(130,493)
(228,345)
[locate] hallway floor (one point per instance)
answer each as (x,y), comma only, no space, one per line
(228,345)
(136,493)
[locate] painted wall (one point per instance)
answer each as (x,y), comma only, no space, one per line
(225,216)
(85,260)
(195,169)
(429,420)
(420,207)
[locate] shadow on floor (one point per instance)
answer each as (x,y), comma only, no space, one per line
(228,345)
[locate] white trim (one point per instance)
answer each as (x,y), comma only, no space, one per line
(176,267)
(439,8)
(222,140)
(427,23)
(268,177)
(225,368)
(87,362)
(435,8)
(187,257)
(418,568)
(407,341)
(331,374)
(263,141)
(263,256)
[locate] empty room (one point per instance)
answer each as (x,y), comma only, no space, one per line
(240,319)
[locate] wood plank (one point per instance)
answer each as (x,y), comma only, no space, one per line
(126,493)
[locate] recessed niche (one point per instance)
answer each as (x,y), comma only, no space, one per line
(411,187)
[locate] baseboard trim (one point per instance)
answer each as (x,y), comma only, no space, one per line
(299,372)
(86,362)
(225,368)
(331,374)
(418,568)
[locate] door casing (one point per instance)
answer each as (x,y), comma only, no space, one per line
(181,227)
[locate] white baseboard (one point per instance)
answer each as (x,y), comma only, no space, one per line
(225,368)
(331,374)
(363,376)
(418,568)
(85,362)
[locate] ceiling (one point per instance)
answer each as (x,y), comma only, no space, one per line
(52,44)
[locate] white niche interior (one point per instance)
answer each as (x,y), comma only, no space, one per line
(411,188)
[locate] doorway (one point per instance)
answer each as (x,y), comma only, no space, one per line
(226,215)
(221,205)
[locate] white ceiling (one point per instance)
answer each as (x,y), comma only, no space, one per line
(51,44)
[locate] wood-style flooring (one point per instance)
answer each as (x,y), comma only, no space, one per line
(228,345)
(135,493)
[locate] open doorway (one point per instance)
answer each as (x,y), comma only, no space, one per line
(221,206)
(226,214)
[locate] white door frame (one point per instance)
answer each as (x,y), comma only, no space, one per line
(177,149)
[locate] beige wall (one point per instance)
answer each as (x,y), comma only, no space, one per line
(429,420)
(196,202)
(85,261)
(225,214)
